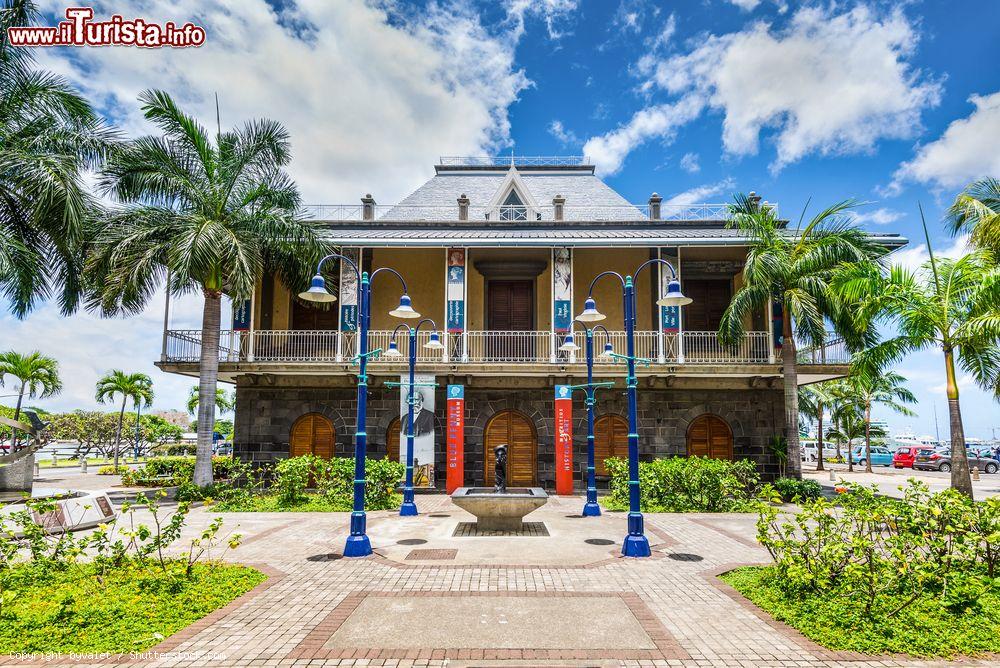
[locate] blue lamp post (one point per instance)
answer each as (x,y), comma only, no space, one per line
(636,544)
(591,507)
(358,544)
(409,507)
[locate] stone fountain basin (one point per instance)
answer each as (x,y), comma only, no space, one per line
(499,512)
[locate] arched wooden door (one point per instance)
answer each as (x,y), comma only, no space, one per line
(518,433)
(710,436)
(610,440)
(392,441)
(312,434)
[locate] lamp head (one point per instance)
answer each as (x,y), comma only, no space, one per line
(393,350)
(674,296)
(608,349)
(569,345)
(590,312)
(317,291)
(404,310)
(435,342)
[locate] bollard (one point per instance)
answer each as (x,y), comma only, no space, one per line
(83,465)
(38,469)
(833,478)
(975,473)
(55,460)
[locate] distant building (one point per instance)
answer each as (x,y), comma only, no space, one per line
(176,418)
(500,252)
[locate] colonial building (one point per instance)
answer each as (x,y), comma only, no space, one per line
(500,252)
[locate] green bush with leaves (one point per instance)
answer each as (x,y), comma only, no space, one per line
(174,471)
(111,469)
(686,484)
(793,489)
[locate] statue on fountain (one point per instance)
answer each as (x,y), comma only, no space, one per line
(500,470)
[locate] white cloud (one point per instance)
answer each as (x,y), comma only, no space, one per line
(690,164)
(564,136)
(825,83)
(880,216)
(701,194)
(746,5)
(914,257)
(966,151)
(553,12)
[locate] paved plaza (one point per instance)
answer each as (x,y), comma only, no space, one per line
(430,598)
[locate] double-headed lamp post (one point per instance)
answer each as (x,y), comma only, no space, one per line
(409,507)
(358,544)
(591,507)
(636,544)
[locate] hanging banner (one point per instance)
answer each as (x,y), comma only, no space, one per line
(562,290)
(455,438)
(241,316)
(423,427)
(777,323)
(349,291)
(670,316)
(456,290)
(564,439)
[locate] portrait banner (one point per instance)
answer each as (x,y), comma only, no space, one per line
(423,427)
(562,290)
(456,290)
(349,291)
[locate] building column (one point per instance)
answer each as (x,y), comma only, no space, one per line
(562,298)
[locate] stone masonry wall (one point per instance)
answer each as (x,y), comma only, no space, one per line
(265,416)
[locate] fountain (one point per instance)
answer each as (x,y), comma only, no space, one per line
(499,509)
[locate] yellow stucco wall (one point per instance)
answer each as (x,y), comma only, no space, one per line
(423,269)
(476,308)
(282,306)
(588,263)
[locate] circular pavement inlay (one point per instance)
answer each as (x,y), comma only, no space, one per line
(684,556)
(599,541)
(439,515)
(331,556)
(411,541)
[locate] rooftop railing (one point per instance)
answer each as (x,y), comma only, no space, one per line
(516,160)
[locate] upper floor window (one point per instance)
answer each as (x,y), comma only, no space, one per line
(513,208)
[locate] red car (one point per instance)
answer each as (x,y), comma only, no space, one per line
(904,456)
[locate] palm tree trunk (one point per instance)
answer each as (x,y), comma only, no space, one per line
(207,383)
(819,436)
(118,436)
(960,478)
(790,371)
(868,438)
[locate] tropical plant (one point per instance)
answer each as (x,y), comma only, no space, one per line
(213,216)
(814,400)
(879,389)
(37,375)
(949,304)
(223,403)
(977,210)
(135,386)
(794,270)
(849,426)
(49,137)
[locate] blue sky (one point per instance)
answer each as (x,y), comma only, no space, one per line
(888,103)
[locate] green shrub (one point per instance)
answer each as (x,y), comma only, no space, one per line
(174,471)
(334,480)
(291,477)
(793,489)
(686,484)
(111,470)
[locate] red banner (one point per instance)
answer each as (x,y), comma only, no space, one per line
(456,438)
(564,439)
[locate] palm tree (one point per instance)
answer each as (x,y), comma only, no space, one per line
(49,137)
(135,386)
(795,270)
(948,304)
(223,403)
(813,402)
(977,210)
(38,377)
(851,427)
(884,389)
(211,215)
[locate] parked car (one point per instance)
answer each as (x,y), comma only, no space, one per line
(904,456)
(940,460)
(881,456)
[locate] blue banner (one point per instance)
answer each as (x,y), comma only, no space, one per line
(348,317)
(456,391)
(563,316)
(670,317)
(241,315)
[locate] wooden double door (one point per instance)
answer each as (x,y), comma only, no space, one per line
(610,440)
(312,434)
(510,307)
(710,436)
(514,430)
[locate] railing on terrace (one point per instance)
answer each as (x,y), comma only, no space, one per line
(517,160)
(832,351)
(481,347)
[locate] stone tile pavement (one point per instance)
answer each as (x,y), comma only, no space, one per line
(567,599)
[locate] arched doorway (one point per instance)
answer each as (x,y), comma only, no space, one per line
(312,434)
(610,440)
(710,436)
(518,433)
(392,441)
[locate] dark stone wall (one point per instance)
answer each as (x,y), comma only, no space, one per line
(264,418)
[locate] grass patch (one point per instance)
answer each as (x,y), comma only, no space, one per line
(67,610)
(310,503)
(928,628)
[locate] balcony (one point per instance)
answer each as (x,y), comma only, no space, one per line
(486,348)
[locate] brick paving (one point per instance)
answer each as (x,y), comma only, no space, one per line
(684,614)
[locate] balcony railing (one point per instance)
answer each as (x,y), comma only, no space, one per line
(485,348)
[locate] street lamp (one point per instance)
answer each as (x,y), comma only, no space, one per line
(590,508)
(636,544)
(358,544)
(409,507)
